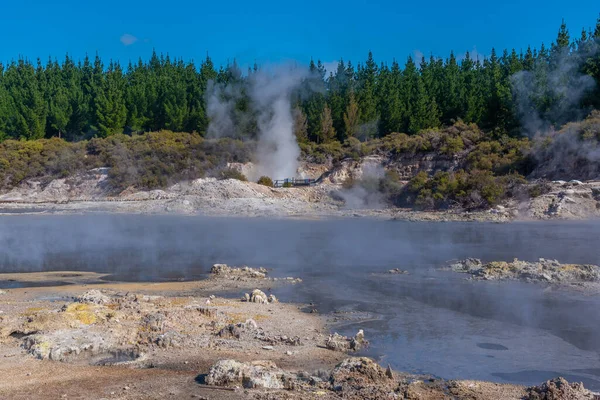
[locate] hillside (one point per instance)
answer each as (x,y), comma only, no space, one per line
(456,172)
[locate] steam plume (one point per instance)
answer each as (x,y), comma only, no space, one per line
(270,94)
(559,80)
(560,154)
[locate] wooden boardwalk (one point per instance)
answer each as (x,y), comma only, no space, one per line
(293,182)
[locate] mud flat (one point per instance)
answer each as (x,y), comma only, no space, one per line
(85,339)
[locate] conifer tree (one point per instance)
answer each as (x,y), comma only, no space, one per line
(111,112)
(327,129)
(352,116)
(300,125)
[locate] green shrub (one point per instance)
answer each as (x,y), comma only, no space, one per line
(468,189)
(230,173)
(146,161)
(539,189)
(265,180)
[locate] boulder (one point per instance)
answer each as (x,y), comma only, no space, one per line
(226,271)
(256,374)
(66,345)
(154,322)
(469,265)
(235,330)
(543,270)
(93,297)
(397,271)
(357,372)
(230,331)
(258,296)
(559,389)
(341,343)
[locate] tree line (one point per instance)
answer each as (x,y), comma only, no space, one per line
(84,99)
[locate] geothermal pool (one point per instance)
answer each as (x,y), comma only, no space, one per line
(428,321)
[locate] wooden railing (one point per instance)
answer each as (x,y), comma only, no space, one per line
(293,182)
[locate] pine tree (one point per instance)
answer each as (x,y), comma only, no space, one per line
(425,113)
(366,96)
(352,116)
(450,97)
(391,107)
(300,125)
(5,108)
(528,60)
(111,112)
(563,39)
(327,129)
(28,103)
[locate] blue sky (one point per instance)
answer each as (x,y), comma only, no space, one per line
(274,31)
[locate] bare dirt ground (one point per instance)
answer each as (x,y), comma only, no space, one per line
(173,327)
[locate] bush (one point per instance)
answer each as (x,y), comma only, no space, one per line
(539,189)
(468,189)
(146,161)
(265,180)
(230,173)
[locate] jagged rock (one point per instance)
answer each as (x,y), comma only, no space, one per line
(359,339)
(154,322)
(355,373)
(236,330)
(66,345)
(559,389)
(257,374)
(397,271)
(230,331)
(258,296)
(170,339)
(388,372)
(94,297)
(338,342)
(290,341)
(207,312)
(540,271)
(468,265)
(226,271)
(219,269)
(341,343)
(249,324)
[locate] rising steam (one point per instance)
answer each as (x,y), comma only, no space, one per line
(560,154)
(270,94)
(560,80)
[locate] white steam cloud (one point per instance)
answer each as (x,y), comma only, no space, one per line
(560,80)
(270,96)
(560,154)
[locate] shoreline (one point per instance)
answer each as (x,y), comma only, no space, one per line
(158,207)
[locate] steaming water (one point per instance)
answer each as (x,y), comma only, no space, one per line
(428,321)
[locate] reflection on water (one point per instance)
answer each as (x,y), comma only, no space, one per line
(427,321)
